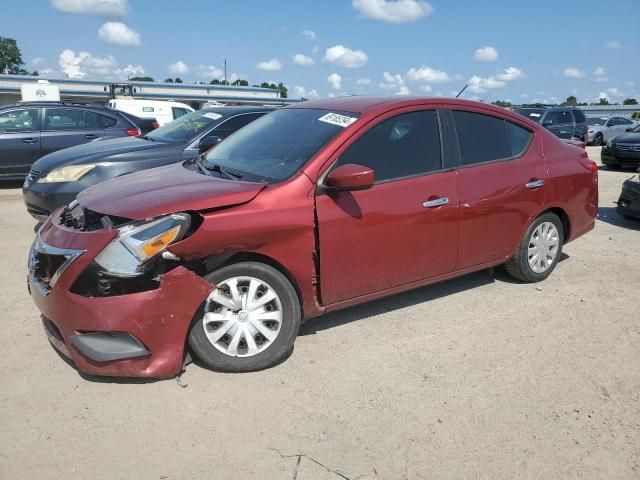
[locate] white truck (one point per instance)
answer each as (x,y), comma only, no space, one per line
(164,111)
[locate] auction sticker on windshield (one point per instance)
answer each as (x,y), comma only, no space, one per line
(212,115)
(337,119)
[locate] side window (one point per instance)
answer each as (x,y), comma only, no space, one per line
(63,119)
(107,121)
(178,112)
(91,121)
(235,123)
(519,138)
(16,121)
(559,117)
(482,138)
(401,146)
(625,121)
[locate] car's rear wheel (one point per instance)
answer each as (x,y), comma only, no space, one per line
(249,322)
(539,251)
(597,140)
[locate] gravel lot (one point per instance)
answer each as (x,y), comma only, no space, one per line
(478,377)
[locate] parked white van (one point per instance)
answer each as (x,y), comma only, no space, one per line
(162,110)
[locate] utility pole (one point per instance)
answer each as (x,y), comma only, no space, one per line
(225,71)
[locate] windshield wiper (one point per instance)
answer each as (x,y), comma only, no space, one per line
(214,167)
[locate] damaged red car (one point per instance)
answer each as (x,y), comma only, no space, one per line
(309,209)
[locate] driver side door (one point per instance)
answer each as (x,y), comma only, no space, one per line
(402,230)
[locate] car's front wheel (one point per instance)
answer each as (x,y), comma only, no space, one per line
(249,322)
(597,140)
(539,250)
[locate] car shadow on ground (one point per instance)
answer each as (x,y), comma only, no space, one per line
(408,299)
(612,217)
(11,184)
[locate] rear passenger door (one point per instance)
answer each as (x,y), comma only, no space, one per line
(66,127)
(501,185)
(19,140)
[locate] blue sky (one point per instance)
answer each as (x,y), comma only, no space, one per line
(519,51)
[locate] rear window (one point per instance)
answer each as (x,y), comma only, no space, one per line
(579,116)
(482,138)
(107,121)
(534,114)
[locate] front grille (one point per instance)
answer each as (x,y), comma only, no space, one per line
(623,147)
(32,176)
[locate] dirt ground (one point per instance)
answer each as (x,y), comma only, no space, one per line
(478,377)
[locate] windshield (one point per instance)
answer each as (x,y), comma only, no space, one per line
(534,114)
(277,145)
(596,121)
(636,129)
(185,128)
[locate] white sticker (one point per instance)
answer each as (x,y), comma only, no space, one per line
(212,115)
(337,119)
(534,115)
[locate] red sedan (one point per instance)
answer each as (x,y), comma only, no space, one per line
(309,209)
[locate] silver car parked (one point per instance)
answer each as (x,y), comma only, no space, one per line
(603,129)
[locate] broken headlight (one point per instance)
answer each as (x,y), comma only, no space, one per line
(139,242)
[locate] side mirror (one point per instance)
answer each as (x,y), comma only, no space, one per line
(208,142)
(349,177)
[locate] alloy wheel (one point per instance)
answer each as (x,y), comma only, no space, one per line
(543,247)
(243,316)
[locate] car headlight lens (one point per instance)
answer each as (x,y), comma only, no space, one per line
(138,243)
(69,173)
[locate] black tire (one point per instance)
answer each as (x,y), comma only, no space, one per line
(598,139)
(518,267)
(282,345)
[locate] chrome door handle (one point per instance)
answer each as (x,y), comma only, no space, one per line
(535,184)
(438,202)
(30,140)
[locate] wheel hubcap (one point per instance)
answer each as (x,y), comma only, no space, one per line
(543,247)
(242,316)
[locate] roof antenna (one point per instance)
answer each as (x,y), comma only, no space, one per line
(463,89)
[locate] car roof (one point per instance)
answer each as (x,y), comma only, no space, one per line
(235,110)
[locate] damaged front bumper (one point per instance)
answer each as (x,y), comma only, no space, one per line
(141,334)
(629,201)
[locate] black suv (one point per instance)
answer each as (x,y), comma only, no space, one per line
(563,122)
(30,130)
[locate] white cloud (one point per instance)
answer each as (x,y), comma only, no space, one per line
(614,92)
(309,34)
(118,33)
(486,54)
(613,44)
(210,71)
(571,72)
(302,92)
(510,73)
(393,11)
(426,74)
(84,63)
(479,84)
(603,95)
(363,82)
(600,75)
(101,8)
(335,80)
(428,89)
(36,61)
(270,65)
(345,57)
(394,82)
(303,60)
(179,68)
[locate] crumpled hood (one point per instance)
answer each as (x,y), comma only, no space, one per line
(165,190)
(99,151)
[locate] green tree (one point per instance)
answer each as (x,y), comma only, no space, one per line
(168,80)
(177,80)
(283,90)
(142,79)
(603,101)
(11,58)
(240,83)
(571,101)
(501,103)
(630,101)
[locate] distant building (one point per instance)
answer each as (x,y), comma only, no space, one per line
(606,110)
(95,92)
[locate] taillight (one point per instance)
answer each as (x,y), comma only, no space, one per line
(155,125)
(588,164)
(132,132)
